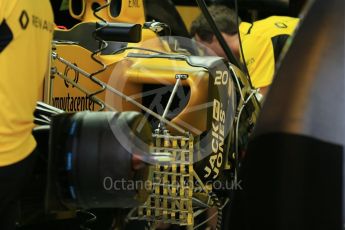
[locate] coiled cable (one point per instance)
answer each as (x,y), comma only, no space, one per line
(102,46)
(219,206)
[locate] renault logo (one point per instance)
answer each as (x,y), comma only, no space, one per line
(24,20)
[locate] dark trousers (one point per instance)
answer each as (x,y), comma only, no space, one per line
(13,181)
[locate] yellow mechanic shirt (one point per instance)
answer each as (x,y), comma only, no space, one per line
(262,43)
(26,28)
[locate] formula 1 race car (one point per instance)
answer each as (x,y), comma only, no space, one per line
(138,122)
(138,130)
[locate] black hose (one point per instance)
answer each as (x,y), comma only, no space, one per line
(246,71)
